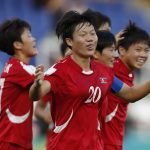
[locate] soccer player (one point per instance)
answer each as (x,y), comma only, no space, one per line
(102,22)
(78,85)
(105,53)
(15,106)
(106,48)
(134,51)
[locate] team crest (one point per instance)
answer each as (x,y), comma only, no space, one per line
(103,80)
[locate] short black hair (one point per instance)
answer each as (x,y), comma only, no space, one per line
(132,35)
(68,22)
(10,31)
(105,39)
(63,48)
(98,18)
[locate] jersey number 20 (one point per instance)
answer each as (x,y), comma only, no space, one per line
(95,95)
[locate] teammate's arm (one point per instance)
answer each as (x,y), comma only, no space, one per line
(41,113)
(131,94)
(40,87)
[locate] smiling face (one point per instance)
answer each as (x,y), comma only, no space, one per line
(107,56)
(136,55)
(84,40)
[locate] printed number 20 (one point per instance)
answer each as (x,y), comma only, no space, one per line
(95,95)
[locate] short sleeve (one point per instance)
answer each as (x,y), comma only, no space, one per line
(21,74)
(54,75)
(47,98)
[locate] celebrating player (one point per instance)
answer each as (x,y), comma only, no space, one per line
(15,106)
(78,86)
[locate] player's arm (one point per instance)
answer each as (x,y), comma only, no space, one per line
(40,87)
(131,94)
(41,113)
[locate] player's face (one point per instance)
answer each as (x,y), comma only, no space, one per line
(136,55)
(107,56)
(28,44)
(84,40)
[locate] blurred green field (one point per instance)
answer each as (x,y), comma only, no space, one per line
(39,143)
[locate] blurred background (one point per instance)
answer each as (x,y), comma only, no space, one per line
(43,15)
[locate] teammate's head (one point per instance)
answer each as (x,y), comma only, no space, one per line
(15,35)
(134,47)
(101,21)
(106,47)
(78,33)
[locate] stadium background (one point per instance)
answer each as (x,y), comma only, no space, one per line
(42,18)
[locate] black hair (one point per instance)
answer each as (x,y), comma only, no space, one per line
(10,31)
(40,3)
(98,18)
(105,39)
(63,48)
(132,35)
(67,24)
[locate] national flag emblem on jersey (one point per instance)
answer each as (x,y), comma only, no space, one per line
(103,80)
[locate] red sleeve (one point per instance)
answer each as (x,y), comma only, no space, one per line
(21,74)
(54,76)
(47,98)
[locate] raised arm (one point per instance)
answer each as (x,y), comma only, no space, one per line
(40,87)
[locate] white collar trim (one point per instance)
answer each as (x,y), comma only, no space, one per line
(87,72)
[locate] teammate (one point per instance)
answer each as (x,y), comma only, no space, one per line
(78,85)
(105,53)
(106,48)
(134,51)
(102,22)
(15,106)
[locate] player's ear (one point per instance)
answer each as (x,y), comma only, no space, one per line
(69,42)
(121,50)
(17,45)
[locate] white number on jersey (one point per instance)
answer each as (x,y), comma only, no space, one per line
(2,80)
(95,95)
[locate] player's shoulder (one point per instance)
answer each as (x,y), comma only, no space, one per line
(59,67)
(11,66)
(17,66)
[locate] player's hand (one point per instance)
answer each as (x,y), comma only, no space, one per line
(119,36)
(39,75)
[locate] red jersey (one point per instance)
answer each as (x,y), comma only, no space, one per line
(46,98)
(76,98)
(15,106)
(113,131)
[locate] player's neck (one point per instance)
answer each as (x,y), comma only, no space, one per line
(22,58)
(84,63)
